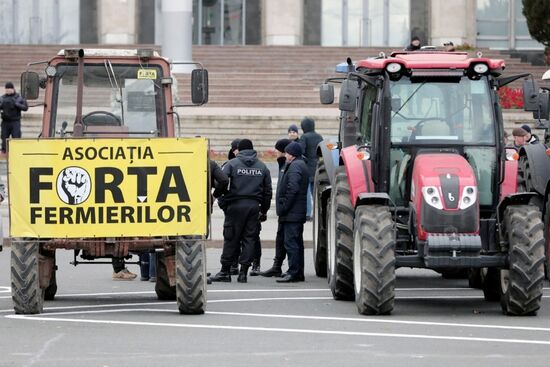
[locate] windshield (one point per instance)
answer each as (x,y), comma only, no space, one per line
(454,111)
(117,99)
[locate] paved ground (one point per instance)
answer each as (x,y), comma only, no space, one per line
(97,322)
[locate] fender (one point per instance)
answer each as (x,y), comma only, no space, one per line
(359,173)
(331,158)
(523,199)
(510,184)
(539,166)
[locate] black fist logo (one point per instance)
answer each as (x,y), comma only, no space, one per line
(73,185)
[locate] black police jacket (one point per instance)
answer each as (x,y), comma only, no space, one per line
(291,196)
(12,105)
(309,141)
(249,178)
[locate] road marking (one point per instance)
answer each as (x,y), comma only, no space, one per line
(284,330)
(5,289)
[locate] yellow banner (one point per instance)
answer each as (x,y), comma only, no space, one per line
(79,188)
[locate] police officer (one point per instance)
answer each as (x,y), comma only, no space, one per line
(248,199)
(291,209)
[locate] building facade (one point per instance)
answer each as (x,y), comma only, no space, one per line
(497,24)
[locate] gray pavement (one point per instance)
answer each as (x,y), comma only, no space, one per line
(95,321)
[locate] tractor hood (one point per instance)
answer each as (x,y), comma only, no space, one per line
(444,194)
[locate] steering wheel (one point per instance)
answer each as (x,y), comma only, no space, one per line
(101,118)
(419,124)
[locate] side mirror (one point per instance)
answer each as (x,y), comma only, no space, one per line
(348,95)
(543,113)
(199,86)
(530,95)
(326,92)
(30,85)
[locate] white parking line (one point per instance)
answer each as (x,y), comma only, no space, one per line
(285,330)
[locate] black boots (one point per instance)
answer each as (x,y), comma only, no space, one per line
(222,276)
(274,271)
(234,270)
(242,274)
(255,269)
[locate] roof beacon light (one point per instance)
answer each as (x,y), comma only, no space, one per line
(481,68)
(393,67)
(344,68)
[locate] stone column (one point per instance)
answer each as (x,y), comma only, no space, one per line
(117,21)
(283,22)
(453,21)
(177,32)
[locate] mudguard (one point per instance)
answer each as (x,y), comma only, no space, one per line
(331,158)
(539,165)
(359,173)
(523,198)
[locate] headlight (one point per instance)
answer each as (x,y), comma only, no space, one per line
(469,197)
(431,196)
(481,68)
(393,67)
(51,71)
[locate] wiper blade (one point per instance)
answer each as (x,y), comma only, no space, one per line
(408,99)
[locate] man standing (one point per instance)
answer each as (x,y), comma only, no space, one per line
(280,251)
(291,209)
(247,201)
(309,140)
(530,138)
(11,104)
(519,137)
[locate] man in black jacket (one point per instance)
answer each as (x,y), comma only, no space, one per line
(291,209)
(280,250)
(247,202)
(309,140)
(11,105)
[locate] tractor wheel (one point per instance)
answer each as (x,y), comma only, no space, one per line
(547,238)
(474,278)
(319,222)
(27,296)
(191,276)
(340,239)
(162,286)
(490,284)
(374,260)
(521,284)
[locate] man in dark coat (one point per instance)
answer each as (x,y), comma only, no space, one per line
(11,104)
(280,251)
(291,209)
(248,199)
(309,140)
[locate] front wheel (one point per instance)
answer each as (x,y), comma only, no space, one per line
(27,296)
(191,276)
(374,260)
(521,284)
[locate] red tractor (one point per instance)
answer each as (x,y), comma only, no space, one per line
(424,181)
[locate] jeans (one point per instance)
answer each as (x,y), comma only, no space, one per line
(294,245)
(148,268)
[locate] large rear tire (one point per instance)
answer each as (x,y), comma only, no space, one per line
(191,276)
(547,238)
(319,221)
(162,286)
(340,239)
(521,284)
(27,296)
(374,260)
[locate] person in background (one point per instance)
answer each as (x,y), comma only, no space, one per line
(291,208)
(148,266)
(11,104)
(293,133)
(449,47)
(414,45)
(519,137)
(530,138)
(233,150)
(280,251)
(309,140)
